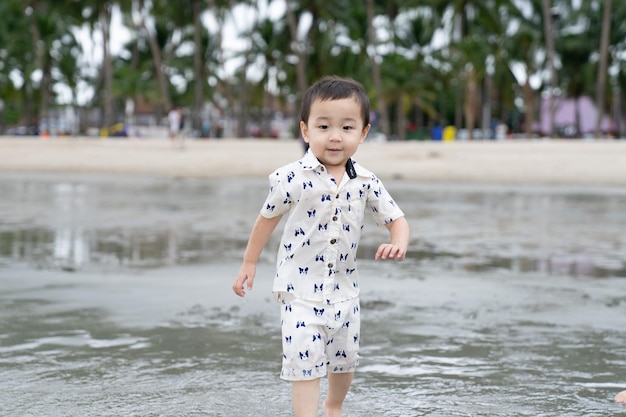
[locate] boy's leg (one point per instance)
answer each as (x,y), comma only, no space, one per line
(305,396)
(338,386)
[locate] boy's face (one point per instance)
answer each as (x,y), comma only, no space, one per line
(334,130)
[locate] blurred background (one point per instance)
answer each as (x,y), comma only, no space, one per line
(115,280)
(434,69)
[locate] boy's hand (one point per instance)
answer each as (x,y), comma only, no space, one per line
(399,237)
(245,276)
(390,251)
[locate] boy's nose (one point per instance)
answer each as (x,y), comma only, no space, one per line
(335,135)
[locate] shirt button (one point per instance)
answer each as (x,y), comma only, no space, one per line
(334,218)
(337,196)
(333,241)
(330,265)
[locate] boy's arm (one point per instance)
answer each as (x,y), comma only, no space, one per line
(261,232)
(399,236)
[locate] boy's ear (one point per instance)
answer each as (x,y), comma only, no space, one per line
(305,131)
(365,131)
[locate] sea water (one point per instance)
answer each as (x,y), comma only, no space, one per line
(115,300)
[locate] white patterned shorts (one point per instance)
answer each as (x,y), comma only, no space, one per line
(318,338)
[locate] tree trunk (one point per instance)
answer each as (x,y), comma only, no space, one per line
(458,107)
(298,48)
(487,110)
(244,99)
(471,103)
(198,101)
(40,64)
(459,103)
(376,76)
(602,68)
(226,88)
(107,65)
(549,34)
(28,103)
(46,79)
(157,57)
(529,108)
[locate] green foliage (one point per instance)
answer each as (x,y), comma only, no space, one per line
(425,49)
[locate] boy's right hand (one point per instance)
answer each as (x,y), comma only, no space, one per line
(245,276)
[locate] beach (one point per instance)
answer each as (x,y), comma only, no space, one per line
(542,161)
(117,258)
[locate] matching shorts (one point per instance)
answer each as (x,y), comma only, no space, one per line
(318,338)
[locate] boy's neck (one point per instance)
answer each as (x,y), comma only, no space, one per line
(338,171)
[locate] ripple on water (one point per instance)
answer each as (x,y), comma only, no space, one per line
(509,304)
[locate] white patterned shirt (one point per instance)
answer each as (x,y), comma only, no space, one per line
(317,255)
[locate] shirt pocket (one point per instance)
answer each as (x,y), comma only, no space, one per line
(353,210)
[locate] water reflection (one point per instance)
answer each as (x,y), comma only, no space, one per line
(493,313)
(93,224)
(70,249)
(149,223)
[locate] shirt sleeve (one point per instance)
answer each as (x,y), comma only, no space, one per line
(383,207)
(278,200)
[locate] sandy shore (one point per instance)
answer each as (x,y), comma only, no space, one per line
(522,162)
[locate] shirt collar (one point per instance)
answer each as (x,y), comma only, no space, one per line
(310,162)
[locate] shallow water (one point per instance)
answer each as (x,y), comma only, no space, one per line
(115,300)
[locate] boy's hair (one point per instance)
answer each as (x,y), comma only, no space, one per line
(335,88)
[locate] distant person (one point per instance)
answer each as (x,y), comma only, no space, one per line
(501,131)
(621,397)
(206,129)
(182,120)
(175,120)
(325,196)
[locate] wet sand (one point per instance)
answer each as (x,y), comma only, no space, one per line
(116,288)
(506,162)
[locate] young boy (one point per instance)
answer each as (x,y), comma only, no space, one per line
(325,195)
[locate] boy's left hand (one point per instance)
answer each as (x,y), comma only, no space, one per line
(390,251)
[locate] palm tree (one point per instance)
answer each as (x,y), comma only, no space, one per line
(105,10)
(98,14)
(408,78)
(575,50)
(268,53)
(69,70)
(198,67)
(523,47)
(476,30)
(618,80)
(376,76)
(602,69)
(298,47)
(315,51)
(37,37)
(134,78)
(401,70)
(147,19)
(16,48)
(550,49)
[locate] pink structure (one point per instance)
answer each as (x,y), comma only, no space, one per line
(566,114)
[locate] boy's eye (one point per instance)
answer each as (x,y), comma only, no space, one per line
(323,127)
(348,128)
